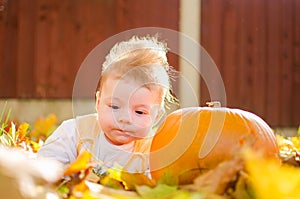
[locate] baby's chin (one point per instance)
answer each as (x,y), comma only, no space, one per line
(124,140)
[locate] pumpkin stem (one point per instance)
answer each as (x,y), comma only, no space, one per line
(215,104)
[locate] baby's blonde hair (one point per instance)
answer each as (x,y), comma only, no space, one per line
(144,60)
(124,48)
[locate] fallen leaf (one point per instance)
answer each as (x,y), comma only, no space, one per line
(160,191)
(81,163)
(270,179)
(22,130)
(218,179)
(131,180)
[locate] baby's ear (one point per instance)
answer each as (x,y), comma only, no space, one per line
(97,98)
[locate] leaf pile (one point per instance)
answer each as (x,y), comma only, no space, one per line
(116,183)
(289,148)
(246,176)
(23,135)
(272,180)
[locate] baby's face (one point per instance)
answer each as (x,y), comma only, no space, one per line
(126,111)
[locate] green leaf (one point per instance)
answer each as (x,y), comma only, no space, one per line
(13,133)
(7,116)
(5,140)
(111,182)
(299,130)
(3,111)
(168,178)
(63,191)
(4,123)
(182,194)
(2,129)
(160,191)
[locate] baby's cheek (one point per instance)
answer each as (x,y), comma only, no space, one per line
(144,122)
(105,122)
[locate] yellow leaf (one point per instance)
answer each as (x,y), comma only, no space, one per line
(111,182)
(34,146)
(296,142)
(131,180)
(272,180)
(44,126)
(81,163)
(22,130)
(80,188)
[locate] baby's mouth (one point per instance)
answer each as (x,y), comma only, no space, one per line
(125,132)
(128,133)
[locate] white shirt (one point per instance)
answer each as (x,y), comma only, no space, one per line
(62,146)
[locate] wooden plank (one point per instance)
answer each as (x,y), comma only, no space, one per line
(3,18)
(56,43)
(42,43)
(230,51)
(82,30)
(9,63)
(296,64)
(106,29)
(259,57)
(95,22)
(82,34)
(273,62)
(205,38)
(143,13)
(286,63)
(245,56)
(25,56)
(211,39)
(61,45)
(68,75)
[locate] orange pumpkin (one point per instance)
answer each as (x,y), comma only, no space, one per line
(196,139)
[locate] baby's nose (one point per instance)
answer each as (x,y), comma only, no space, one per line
(124,117)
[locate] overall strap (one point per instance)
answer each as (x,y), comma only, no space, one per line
(87,130)
(140,153)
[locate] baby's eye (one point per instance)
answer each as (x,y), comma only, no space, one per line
(115,107)
(141,112)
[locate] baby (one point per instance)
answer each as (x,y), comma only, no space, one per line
(134,89)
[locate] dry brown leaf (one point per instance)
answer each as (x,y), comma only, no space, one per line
(218,179)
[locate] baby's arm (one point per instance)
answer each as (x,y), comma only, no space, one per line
(61,145)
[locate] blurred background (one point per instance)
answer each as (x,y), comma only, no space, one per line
(254,43)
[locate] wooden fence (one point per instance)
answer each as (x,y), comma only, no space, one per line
(43,42)
(255,44)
